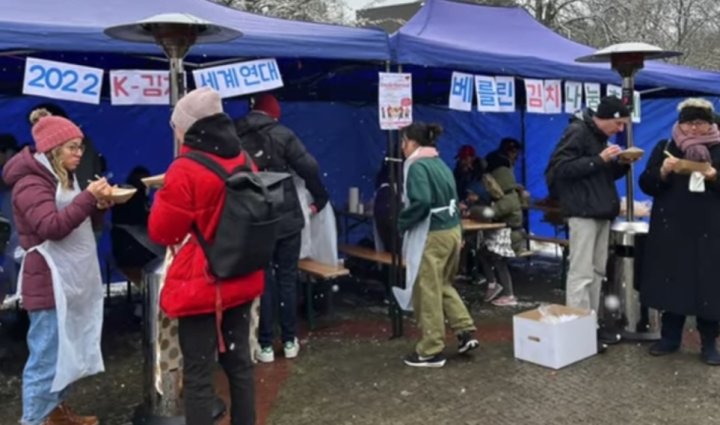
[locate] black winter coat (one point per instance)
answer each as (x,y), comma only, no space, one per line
(578,177)
(288,154)
(681,271)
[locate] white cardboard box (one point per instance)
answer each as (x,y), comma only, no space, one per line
(555,345)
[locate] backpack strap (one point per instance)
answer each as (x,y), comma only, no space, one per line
(208,163)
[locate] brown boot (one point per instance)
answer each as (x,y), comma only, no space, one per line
(63,415)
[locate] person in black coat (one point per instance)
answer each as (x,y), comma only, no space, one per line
(274,147)
(682,272)
(581,173)
(131,255)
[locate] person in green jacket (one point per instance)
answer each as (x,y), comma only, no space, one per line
(431,248)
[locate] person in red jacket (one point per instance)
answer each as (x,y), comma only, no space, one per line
(60,279)
(211,314)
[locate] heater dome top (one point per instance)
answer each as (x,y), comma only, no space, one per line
(644,50)
(183,24)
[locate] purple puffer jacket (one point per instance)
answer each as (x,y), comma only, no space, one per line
(38,219)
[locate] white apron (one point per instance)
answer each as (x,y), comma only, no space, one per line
(77,286)
(414,243)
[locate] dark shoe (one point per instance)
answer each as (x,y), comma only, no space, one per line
(608,336)
(601,348)
(710,353)
(416,360)
(664,347)
(466,342)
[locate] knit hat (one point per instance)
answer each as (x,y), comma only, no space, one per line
(50,132)
(196,105)
(268,104)
(611,107)
(465,151)
(696,109)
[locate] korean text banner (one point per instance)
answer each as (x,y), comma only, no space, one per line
(139,87)
(240,78)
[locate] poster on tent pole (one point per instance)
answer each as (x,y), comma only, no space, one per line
(241,78)
(395,100)
(64,81)
(139,87)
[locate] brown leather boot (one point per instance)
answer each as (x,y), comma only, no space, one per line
(63,415)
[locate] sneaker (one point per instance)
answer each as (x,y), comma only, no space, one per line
(416,360)
(466,342)
(505,301)
(493,290)
(291,348)
(266,355)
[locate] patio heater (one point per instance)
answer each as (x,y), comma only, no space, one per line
(632,320)
(175,33)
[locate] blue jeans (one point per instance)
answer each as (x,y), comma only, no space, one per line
(42,339)
(280,291)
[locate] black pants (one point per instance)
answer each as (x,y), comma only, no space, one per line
(199,345)
(673,324)
(281,278)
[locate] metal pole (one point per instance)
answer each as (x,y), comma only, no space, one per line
(177,90)
(628,86)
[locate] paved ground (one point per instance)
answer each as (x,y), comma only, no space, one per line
(349,372)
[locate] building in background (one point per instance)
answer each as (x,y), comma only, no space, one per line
(389,18)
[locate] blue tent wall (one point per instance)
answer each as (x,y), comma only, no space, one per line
(345,138)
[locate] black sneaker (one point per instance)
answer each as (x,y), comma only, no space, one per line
(416,360)
(466,342)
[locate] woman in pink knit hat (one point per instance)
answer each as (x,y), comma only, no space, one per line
(59,281)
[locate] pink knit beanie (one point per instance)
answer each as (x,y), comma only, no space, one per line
(52,131)
(197,104)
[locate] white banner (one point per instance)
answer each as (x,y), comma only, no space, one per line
(535,95)
(637,106)
(138,87)
(395,100)
(505,87)
(487,95)
(592,95)
(242,78)
(553,96)
(461,91)
(58,80)
(573,96)
(613,90)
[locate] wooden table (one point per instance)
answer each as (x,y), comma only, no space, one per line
(476,226)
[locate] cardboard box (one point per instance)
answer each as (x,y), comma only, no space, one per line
(555,345)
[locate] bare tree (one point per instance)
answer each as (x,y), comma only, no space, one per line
(331,11)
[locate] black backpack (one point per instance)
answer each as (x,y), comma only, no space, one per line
(247,231)
(258,144)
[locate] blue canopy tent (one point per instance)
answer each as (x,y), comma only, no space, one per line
(446,35)
(77,26)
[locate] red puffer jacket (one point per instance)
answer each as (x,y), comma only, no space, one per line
(194,194)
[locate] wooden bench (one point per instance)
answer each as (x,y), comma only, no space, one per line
(367,254)
(384,258)
(316,271)
(564,243)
